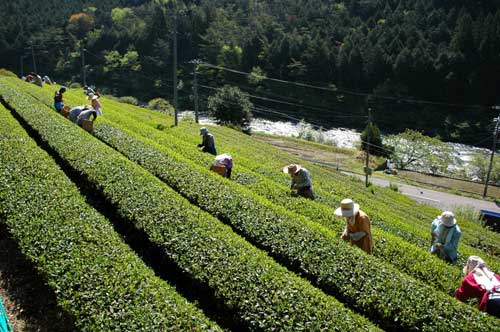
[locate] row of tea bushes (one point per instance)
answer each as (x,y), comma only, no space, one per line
(382,216)
(262,295)
(404,256)
(98,280)
(358,279)
(416,262)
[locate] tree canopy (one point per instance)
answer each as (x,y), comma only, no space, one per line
(428,65)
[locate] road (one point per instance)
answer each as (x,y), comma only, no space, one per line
(441,200)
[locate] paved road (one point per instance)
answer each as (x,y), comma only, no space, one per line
(444,201)
(441,200)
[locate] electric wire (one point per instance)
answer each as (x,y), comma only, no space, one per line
(346,91)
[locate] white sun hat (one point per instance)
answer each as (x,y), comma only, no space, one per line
(347,208)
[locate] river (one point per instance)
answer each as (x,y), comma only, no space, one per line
(342,137)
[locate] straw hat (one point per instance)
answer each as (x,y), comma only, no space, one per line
(92,96)
(447,218)
(291,169)
(347,208)
(203,131)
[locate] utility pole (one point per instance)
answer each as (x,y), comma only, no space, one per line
(22,64)
(33,56)
(493,148)
(368,147)
(195,88)
(175,65)
(83,67)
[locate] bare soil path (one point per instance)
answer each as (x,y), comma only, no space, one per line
(29,302)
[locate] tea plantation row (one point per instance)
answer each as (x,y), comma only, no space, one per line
(263,295)
(96,277)
(377,306)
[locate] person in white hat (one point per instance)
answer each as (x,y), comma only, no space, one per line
(301,180)
(358,225)
(223,160)
(479,282)
(208,143)
(445,237)
(96,105)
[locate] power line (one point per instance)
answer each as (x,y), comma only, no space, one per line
(286,103)
(297,102)
(346,91)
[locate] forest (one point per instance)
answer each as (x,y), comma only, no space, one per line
(427,65)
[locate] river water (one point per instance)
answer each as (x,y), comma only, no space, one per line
(342,137)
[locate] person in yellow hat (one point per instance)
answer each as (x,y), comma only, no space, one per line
(301,180)
(358,225)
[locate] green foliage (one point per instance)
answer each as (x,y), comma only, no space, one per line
(413,51)
(257,76)
(230,105)
(371,134)
(93,273)
(5,72)
(412,148)
(480,164)
(127,25)
(161,104)
(306,131)
(128,100)
(394,187)
(385,208)
(74,85)
(243,278)
(468,213)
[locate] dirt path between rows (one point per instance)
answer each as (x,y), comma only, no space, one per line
(29,302)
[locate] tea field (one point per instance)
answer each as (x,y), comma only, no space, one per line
(133,232)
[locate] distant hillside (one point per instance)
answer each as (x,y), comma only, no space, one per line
(430,65)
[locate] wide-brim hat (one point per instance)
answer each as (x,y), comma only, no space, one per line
(472,263)
(447,218)
(92,96)
(203,131)
(347,208)
(291,169)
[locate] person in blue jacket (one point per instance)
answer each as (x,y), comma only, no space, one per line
(446,235)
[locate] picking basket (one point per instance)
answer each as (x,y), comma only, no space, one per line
(88,125)
(65,110)
(219,169)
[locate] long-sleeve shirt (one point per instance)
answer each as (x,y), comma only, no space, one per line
(301,179)
(85,115)
(208,144)
(75,112)
(471,288)
(362,223)
(58,101)
(448,237)
(88,91)
(224,159)
(58,97)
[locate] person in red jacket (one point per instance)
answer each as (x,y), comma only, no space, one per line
(481,283)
